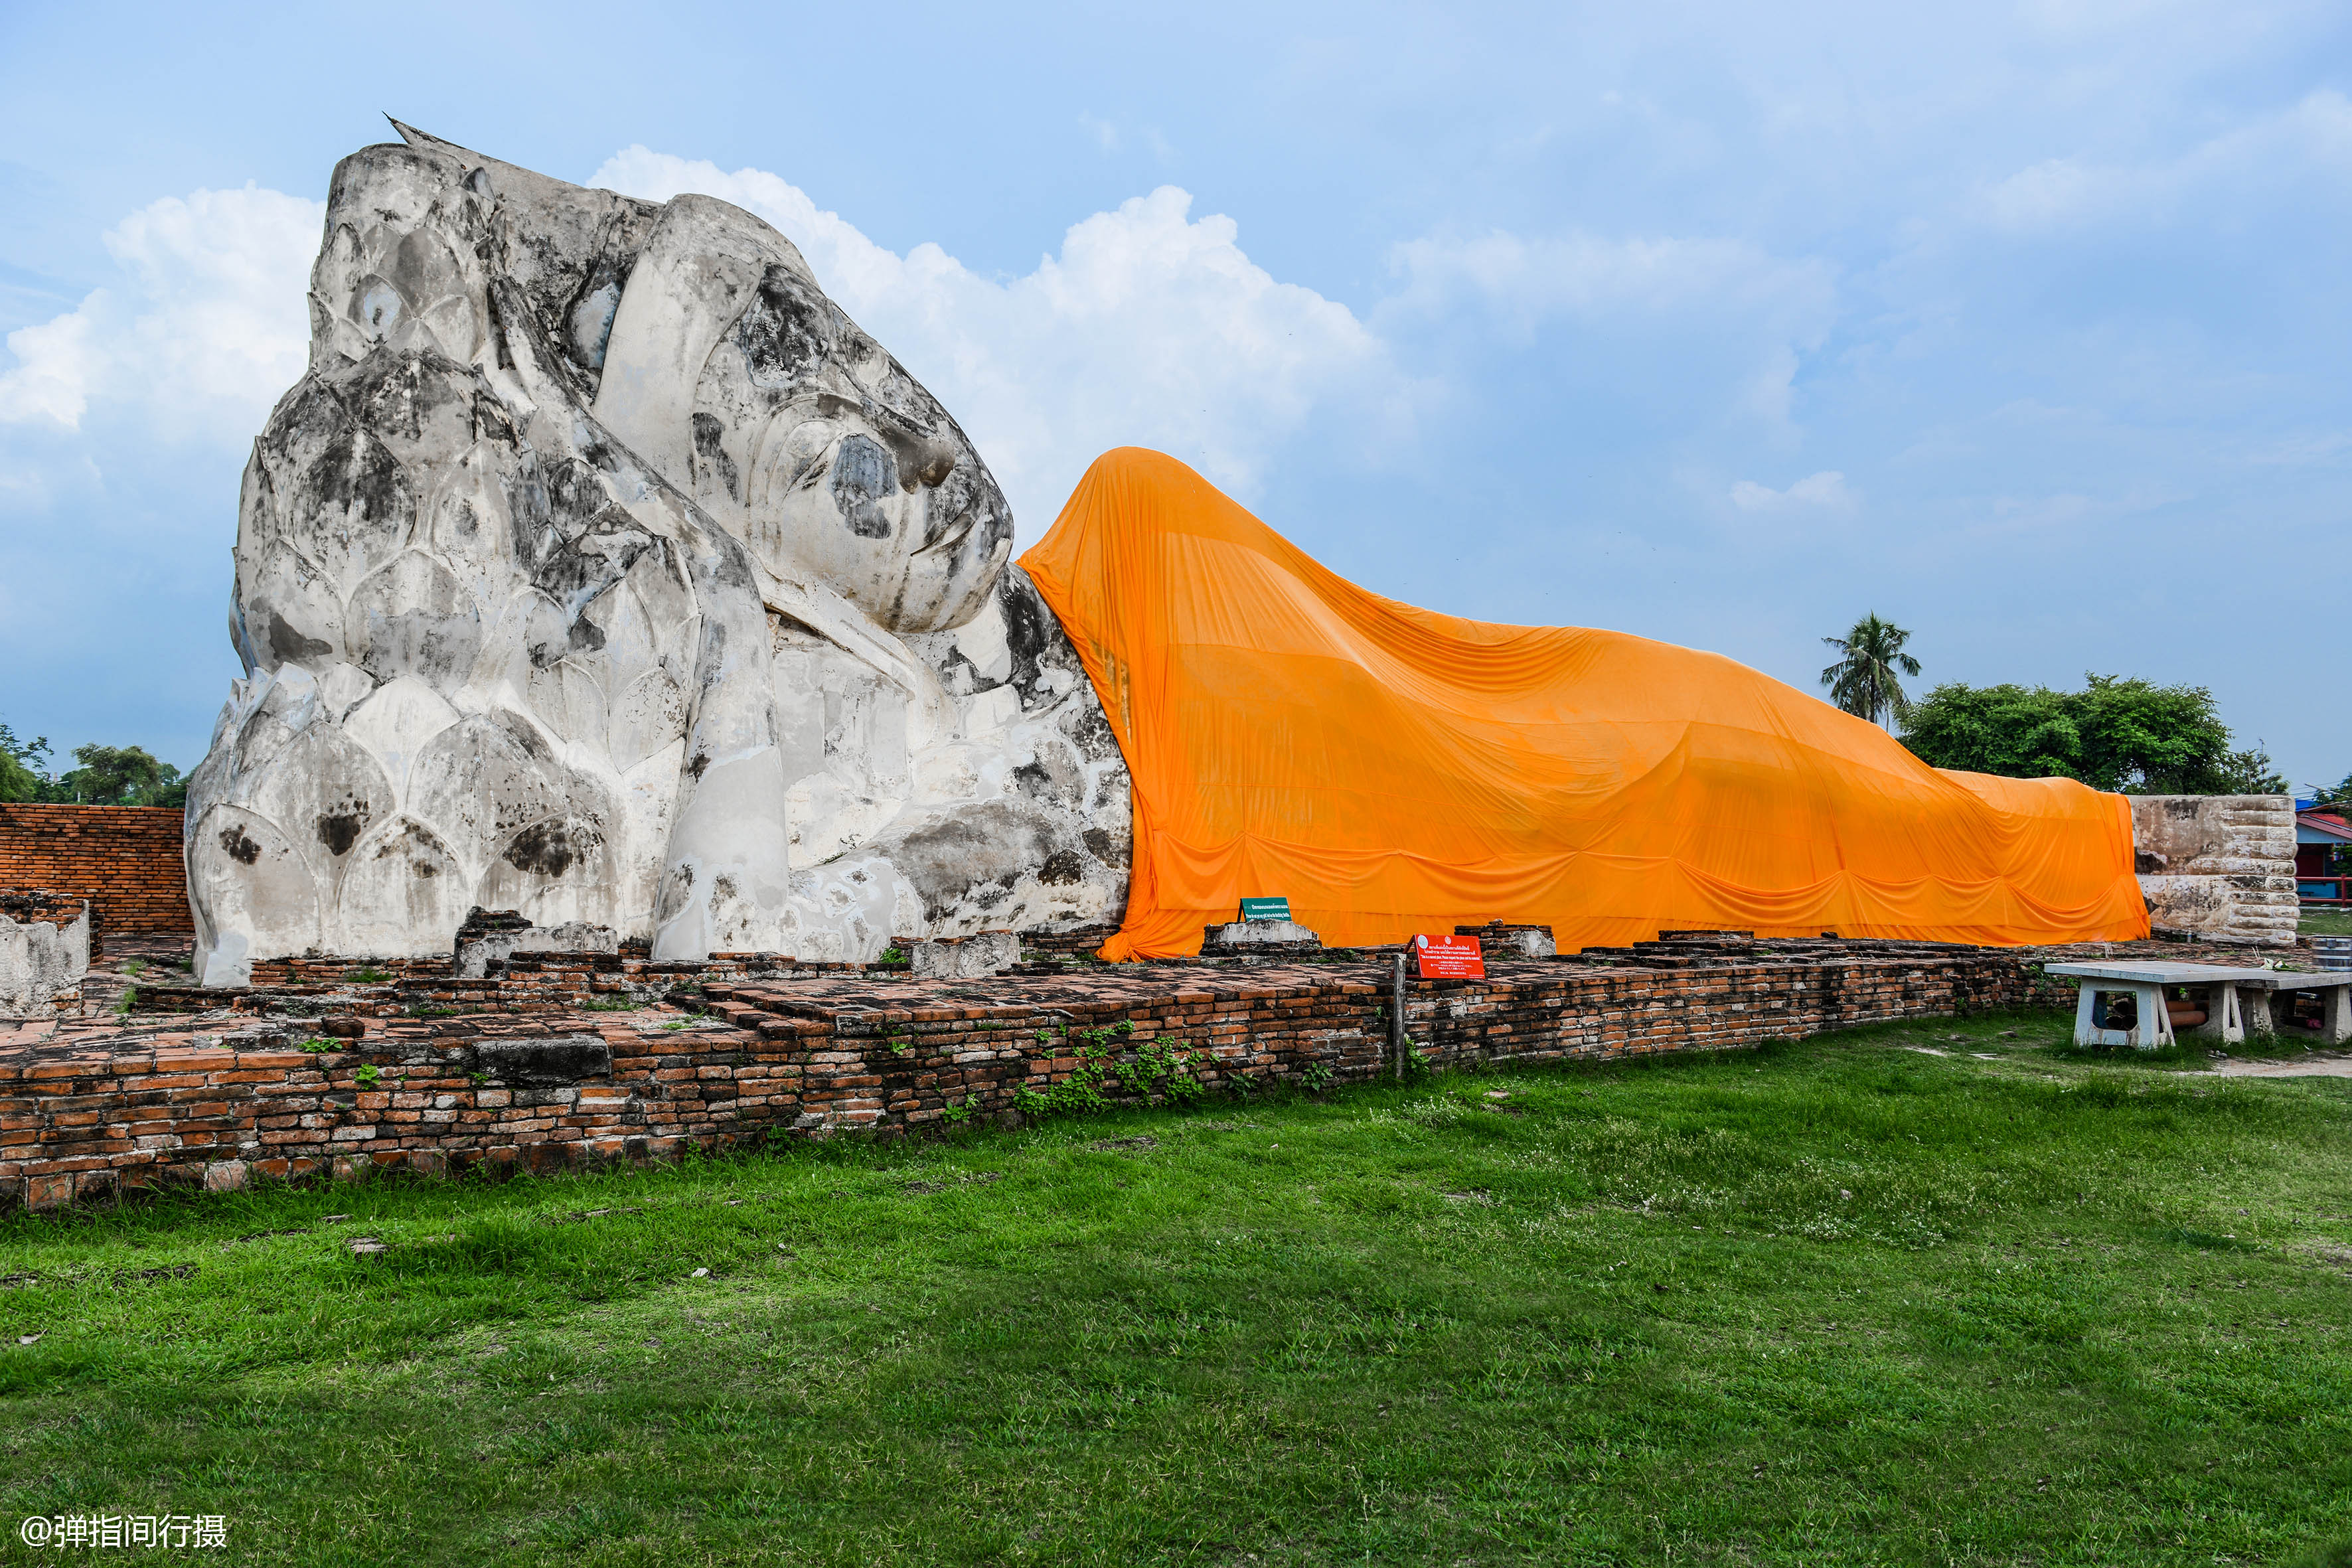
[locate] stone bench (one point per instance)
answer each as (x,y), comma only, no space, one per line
(2277,988)
(2238,1002)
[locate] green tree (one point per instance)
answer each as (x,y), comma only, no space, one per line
(2251,772)
(2153,740)
(24,766)
(123,776)
(2017,731)
(1864,681)
(2116,733)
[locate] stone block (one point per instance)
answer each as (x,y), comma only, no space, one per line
(1498,939)
(552,1063)
(482,943)
(43,954)
(1258,939)
(2220,867)
(966,958)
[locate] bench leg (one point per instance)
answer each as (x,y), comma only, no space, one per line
(2225,1018)
(2336,1014)
(2152,1030)
(2086,1015)
(2262,1010)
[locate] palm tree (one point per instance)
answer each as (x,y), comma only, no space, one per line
(1863,682)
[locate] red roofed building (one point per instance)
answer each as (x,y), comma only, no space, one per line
(2323,856)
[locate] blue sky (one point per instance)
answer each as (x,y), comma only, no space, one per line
(2025,327)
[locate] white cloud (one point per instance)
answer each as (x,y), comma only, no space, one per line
(207,328)
(1151,327)
(2304,147)
(1826,490)
(1587,276)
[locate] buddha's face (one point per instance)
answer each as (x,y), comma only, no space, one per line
(822,451)
(791,426)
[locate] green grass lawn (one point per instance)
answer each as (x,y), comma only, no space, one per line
(2325,922)
(1837,1302)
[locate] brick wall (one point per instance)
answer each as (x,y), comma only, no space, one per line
(125,859)
(841,1052)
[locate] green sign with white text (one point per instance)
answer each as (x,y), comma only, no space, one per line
(1265,908)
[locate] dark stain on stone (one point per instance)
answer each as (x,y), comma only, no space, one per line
(543,1064)
(491,421)
(289,646)
(1089,728)
(358,475)
(239,845)
(701,761)
(400,395)
(586,564)
(549,849)
(785,334)
(339,830)
(520,730)
(1034,781)
(1030,629)
(863,473)
(727,565)
(713,456)
(1104,848)
(1061,868)
(976,854)
(575,493)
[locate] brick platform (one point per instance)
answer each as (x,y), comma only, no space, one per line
(125,859)
(775,1051)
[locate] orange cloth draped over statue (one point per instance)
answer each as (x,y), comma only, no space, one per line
(1390,770)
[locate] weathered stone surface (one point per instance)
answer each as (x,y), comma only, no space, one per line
(477,951)
(542,1064)
(966,958)
(1498,939)
(1259,933)
(2217,866)
(1259,939)
(601,568)
(43,954)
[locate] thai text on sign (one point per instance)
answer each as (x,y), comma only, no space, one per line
(1265,908)
(1450,957)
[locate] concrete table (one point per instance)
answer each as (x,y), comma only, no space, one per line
(2277,987)
(2225,1012)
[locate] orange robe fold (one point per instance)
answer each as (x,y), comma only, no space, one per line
(1390,770)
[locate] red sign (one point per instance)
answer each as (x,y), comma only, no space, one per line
(1450,957)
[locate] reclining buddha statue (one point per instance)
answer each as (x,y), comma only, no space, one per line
(600,568)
